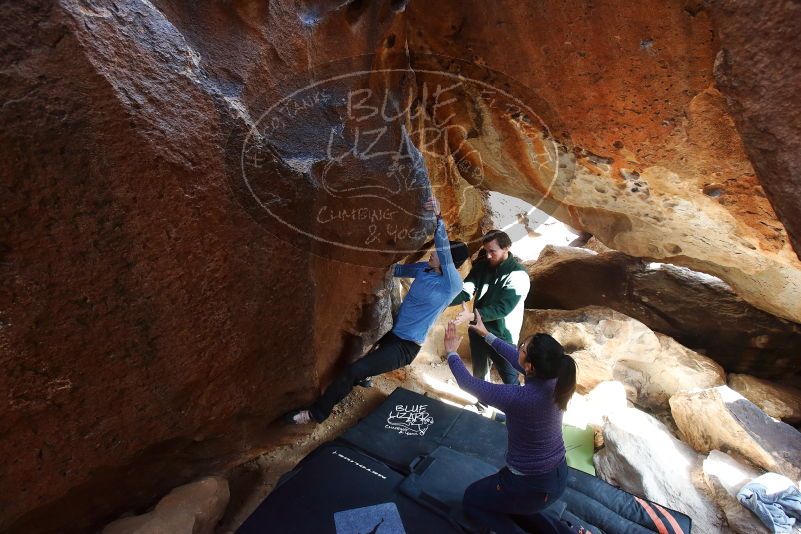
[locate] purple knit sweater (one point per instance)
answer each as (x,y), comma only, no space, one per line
(533,420)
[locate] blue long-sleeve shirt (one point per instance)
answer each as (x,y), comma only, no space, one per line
(430,293)
(533,420)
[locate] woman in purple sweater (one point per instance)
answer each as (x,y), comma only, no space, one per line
(536,472)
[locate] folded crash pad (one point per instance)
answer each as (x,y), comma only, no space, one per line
(617,511)
(438,481)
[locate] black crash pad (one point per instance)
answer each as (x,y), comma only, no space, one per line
(590,501)
(439,480)
(408,425)
(404,468)
(340,490)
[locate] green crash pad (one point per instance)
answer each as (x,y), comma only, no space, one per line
(579,444)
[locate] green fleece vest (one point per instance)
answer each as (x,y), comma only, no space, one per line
(500,293)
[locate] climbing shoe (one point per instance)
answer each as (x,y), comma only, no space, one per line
(299,417)
(365,382)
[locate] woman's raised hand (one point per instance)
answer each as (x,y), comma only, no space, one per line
(452,339)
(479,327)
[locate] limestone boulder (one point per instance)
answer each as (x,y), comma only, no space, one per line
(641,456)
(676,369)
(598,338)
(725,476)
(593,409)
(611,346)
(595,245)
(603,400)
(193,508)
(776,400)
(700,311)
(720,418)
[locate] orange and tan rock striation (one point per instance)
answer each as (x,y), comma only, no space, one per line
(650,162)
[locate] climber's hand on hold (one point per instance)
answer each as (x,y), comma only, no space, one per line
(432,204)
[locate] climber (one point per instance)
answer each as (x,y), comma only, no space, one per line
(536,470)
(500,285)
(436,283)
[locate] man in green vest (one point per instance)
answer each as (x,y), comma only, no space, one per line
(500,285)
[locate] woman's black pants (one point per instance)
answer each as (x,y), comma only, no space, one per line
(389,353)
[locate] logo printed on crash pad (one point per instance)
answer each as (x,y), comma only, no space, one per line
(377,519)
(410,420)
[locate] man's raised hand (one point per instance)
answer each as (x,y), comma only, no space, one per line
(479,327)
(464,316)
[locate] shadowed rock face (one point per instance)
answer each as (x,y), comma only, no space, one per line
(758,69)
(697,310)
(151,328)
(154,316)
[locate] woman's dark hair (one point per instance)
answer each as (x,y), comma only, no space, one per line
(549,360)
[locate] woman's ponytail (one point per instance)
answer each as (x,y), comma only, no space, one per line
(550,361)
(565,382)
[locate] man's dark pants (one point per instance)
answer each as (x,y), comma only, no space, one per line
(482,353)
(389,353)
